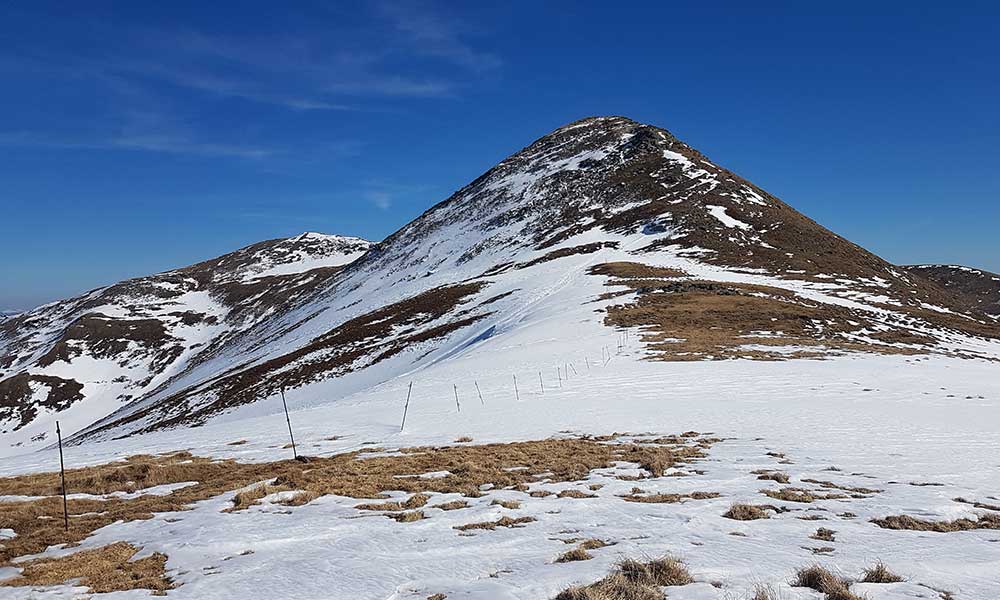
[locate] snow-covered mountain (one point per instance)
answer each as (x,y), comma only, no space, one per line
(605,222)
(82,358)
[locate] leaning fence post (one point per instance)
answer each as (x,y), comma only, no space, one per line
(62,474)
(574,369)
(406,406)
(478,391)
(541,385)
(295,452)
(517,396)
(559,374)
(454,385)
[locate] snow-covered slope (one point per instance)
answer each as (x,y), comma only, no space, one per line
(548,221)
(589,284)
(635,227)
(85,357)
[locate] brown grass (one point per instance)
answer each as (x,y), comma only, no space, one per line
(414,501)
(823,534)
(594,544)
(772,476)
(408,517)
(574,555)
(825,582)
(571,493)
(985,521)
(879,573)
(501,522)
(463,440)
(846,488)
(975,504)
(237,443)
(748,512)
(453,505)
(633,580)
(102,570)
(717,320)
(511,504)
(669,498)
(38,523)
(794,494)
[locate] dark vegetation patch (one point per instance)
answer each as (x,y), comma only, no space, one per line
(825,582)
(668,498)
(359,342)
(879,573)
(16,403)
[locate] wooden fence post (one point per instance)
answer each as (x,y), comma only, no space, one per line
(62,474)
(406,406)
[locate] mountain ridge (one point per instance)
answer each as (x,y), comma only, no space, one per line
(637,228)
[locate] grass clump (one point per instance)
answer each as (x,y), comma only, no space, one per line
(879,573)
(409,516)
(633,580)
(491,525)
(511,504)
(985,521)
(824,534)
(414,501)
(453,505)
(573,555)
(825,582)
(748,512)
(102,570)
(668,498)
(574,494)
(778,476)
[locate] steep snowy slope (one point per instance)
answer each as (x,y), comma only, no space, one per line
(635,226)
(85,357)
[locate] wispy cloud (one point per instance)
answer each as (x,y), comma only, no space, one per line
(434,35)
(148,143)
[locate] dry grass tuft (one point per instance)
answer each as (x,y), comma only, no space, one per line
(574,555)
(633,580)
(491,525)
(409,516)
(790,494)
(103,570)
(879,573)
(571,493)
(594,544)
(414,501)
(985,521)
(463,440)
(825,582)
(237,443)
(300,498)
(668,498)
(247,498)
(778,476)
(748,512)
(511,504)
(824,534)
(453,505)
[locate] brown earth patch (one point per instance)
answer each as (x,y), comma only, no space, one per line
(563,252)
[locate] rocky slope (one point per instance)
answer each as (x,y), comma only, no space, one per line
(979,290)
(85,357)
(606,218)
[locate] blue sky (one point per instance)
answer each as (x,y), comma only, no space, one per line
(137,137)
